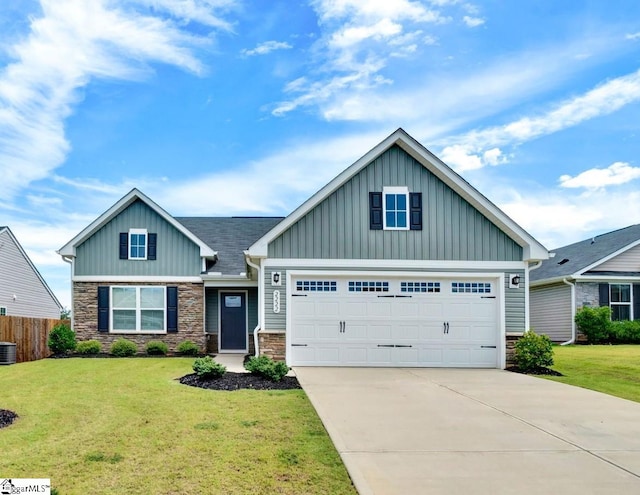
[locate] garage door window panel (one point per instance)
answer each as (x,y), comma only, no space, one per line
(368,286)
(316,286)
(470,288)
(427,287)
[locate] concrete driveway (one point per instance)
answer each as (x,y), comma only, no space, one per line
(452,431)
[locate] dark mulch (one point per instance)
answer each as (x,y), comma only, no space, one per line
(7,417)
(537,371)
(237,381)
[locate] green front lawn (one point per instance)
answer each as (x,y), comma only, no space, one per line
(612,369)
(127,426)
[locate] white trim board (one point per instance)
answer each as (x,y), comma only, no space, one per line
(445,265)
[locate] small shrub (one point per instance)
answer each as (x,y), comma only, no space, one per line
(188,348)
(123,348)
(267,367)
(157,348)
(594,323)
(88,347)
(533,352)
(206,367)
(61,339)
(625,332)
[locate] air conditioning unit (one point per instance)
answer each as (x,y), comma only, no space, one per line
(7,353)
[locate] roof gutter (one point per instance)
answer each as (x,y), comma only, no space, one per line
(573,313)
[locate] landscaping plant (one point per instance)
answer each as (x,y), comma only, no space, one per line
(188,348)
(123,348)
(88,347)
(61,339)
(206,367)
(594,323)
(533,352)
(267,367)
(157,348)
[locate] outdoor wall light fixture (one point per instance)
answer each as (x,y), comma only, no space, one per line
(514,281)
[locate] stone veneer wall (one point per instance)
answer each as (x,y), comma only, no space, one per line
(510,341)
(190,317)
(272,344)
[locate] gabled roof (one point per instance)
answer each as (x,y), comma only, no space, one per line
(33,267)
(69,249)
(532,249)
(575,259)
(229,237)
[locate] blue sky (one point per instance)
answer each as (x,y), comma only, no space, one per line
(223,107)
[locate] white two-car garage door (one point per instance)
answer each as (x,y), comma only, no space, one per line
(386,321)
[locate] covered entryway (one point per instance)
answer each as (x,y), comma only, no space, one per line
(352,320)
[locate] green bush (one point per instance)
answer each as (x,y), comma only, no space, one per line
(594,323)
(533,352)
(624,332)
(157,348)
(61,339)
(206,367)
(267,367)
(123,348)
(88,347)
(188,348)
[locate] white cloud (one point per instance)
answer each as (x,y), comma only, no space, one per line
(267,47)
(596,178)
(473,21)
(634,36)
(70,43)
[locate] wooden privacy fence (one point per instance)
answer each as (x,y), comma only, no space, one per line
(29,334)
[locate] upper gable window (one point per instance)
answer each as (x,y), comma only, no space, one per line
(396,205)
(137,244)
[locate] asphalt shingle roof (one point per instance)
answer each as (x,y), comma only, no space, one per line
(585,253)
(229,236)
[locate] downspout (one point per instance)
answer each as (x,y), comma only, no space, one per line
(573,313)
(70,261)
(261,302)
(527,323)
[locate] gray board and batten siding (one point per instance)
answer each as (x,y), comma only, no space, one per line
(176,254)
(514,298)
(19,278)
(338,228)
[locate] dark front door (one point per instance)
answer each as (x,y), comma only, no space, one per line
(233,321)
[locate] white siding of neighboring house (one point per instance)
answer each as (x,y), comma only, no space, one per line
(550,311)
(629,261)
(18,278)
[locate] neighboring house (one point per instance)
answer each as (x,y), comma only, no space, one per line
(396,262)
(23,291)
(599,271)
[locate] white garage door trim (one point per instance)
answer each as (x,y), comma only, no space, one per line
(497,277)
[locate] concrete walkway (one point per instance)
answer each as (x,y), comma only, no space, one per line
(451,431)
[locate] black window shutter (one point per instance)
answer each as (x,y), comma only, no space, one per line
(172,309)
(636,301)
(153,242)
(415,211)
(124,245)
(103,308)
(375,210)
(603,290)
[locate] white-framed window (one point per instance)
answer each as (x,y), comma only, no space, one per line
(620,301)
(3,311)
(395,202)
(138,309)
(138,244)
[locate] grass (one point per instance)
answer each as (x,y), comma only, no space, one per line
(614,370)
(127,426)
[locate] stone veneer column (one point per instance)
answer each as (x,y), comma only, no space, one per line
(272,344)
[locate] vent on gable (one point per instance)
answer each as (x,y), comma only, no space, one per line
(562,262)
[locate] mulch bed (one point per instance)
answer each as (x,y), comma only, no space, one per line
(537,371)
(237,381)
(7,417)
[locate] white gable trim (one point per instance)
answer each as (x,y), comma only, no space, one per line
(532,249)
(607,258)
(33,267)
(69,249)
